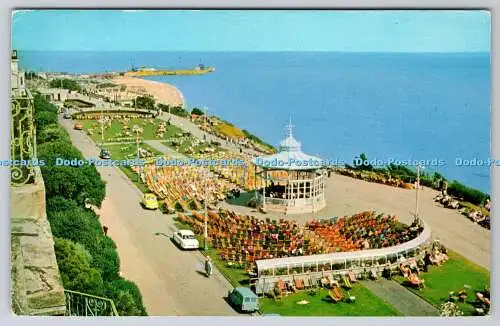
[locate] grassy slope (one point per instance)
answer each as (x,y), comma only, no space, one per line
(452,276)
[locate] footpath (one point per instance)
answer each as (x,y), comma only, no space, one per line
(400,298)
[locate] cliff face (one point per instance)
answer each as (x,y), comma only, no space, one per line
(36,287)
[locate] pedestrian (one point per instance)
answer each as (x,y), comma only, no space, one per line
(105,229)
(208,266)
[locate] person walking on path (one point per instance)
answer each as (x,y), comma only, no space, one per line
(208,266)
(105,229)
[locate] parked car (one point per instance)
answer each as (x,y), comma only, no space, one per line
(104,154)
(243,299)
(186,239)
(78,126)
(149,201)
(67,115)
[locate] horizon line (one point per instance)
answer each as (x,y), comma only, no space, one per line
(246,51)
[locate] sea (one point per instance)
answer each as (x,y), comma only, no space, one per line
(394,107)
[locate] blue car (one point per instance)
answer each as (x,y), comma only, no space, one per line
(243,299)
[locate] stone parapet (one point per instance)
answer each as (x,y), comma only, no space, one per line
(36,284)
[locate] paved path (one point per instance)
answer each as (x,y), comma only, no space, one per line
(169,278)
(187,125)
(400,298)
(164,149)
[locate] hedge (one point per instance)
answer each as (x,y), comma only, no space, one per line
(87,259)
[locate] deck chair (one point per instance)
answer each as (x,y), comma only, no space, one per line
(281,286)
(314,281)
(324,282)
(332,282)
(299,283)
(405,271)
(415,281)
(346,282)
(307,282)
(352,277)
(335,294)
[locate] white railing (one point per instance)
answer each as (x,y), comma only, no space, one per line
(272,269)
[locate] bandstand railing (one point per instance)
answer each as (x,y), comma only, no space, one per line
(22,138)
(82,304)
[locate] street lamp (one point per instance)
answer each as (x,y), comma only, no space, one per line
(102,127)
(417,186)
(136,129)
(205,231)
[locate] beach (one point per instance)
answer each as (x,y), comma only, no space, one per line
(162,92)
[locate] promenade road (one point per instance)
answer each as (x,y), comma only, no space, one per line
(169,279)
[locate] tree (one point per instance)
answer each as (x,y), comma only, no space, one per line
(175,110)
(106,259)
(75,224)
(127,297)
(72,222)
(197,111)
(74,268)
(361,163)
(144,102)
(65,83)
(72,182)
(51,133)
(44,119)
(41,104)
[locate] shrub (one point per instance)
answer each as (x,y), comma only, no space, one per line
(52,133)
(106,259)
(175,110)
(450,309)
(42,105)
(76,224)
(144,102)
(72,182)
(58,203)
(127,297)
(65,83)
(45,118)
(75,270)
(197,111)
(471,195)
(69,221)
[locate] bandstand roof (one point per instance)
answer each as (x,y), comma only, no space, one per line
(289,156)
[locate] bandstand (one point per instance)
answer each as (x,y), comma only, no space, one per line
(293,182)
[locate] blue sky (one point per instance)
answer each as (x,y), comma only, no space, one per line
(154,30)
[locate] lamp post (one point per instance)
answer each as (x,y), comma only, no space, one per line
(205,231)
(102,127)
(137,143)
(417,186)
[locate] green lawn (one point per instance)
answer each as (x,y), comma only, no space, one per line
(184,145)
(126,152)
(116,132)
(367,304)
(452,276)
